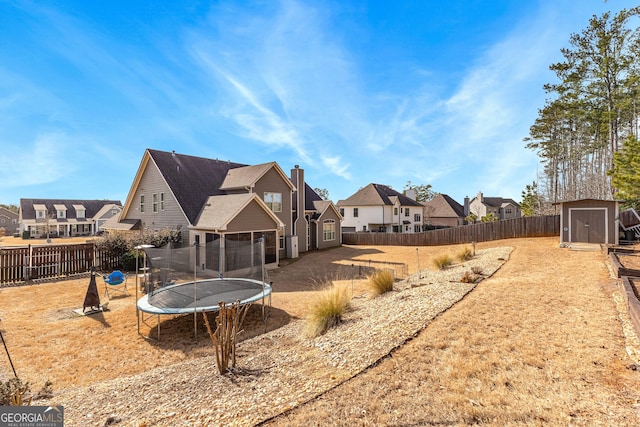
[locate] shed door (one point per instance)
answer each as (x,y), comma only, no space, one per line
(588,226)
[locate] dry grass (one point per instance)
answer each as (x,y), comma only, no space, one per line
(536,344)
(442,261)
(539,343)
(327,309)
(381,282)
(465,254)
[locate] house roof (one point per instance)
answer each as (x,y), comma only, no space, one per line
(192,179)
(498,202)
(28,207)
(310,197)
(219,211)
(245,176)
(124,225)
(443,206)
(8,212)
(376,195)
(106,208)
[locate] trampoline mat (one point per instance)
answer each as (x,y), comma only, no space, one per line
(208,294)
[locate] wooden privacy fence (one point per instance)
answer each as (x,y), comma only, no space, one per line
(24,264)
(530,226)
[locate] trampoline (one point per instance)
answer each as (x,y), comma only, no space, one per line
(203,295)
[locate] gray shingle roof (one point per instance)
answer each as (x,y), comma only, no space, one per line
(192,179)
(376,195)
(92,206)
(443,206)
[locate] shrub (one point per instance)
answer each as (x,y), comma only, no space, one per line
(381,282)
(128,260)
(476,270)
(443,261)
(468,277)
(14,393)
(327,310)
(465,254)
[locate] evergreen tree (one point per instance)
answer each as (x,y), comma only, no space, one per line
(530,204)
(625,175)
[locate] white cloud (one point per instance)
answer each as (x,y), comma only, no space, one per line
(47,160)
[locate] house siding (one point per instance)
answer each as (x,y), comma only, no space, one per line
(273,182)
(171,217)
(329,214)
(252,218)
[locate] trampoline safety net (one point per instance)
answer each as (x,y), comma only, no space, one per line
(234,256)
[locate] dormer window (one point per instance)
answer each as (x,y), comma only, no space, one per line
(62,213)
(80,211)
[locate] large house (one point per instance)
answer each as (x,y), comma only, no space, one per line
(379,208)
(443,211)
(213,200)
(8,221)
(65,218)
(501,208)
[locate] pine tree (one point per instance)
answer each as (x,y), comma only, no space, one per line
(625,175)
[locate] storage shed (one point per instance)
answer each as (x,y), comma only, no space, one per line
(589,221)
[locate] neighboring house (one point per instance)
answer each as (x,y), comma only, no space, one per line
(498,206)
(379,208)
(443,211)
(8,221)
(64,218)
(210,199)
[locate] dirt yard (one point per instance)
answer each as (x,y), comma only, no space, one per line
(540,342)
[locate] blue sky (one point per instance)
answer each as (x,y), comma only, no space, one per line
(354,92)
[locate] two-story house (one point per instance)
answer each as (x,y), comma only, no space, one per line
(379,208)
(65,218)
(443,211)
(500,207)
(213,200)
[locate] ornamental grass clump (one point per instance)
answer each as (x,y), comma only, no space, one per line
(327,309)
(381,282)
(443,261)
(465,254)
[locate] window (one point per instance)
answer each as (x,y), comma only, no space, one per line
(329,230)
(162,201)
(142,203)
(416,228)
(416,217)
(274,201)
(62,213)
(355,212)
(40,214)
(508,211)
(406,211)
(154,204)
(364,228)
(281,242)
(341,211)
(395,211)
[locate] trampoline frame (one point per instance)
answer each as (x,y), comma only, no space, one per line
(143,306)
(146,306)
